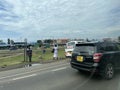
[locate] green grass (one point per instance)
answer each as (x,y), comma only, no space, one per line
(37,56)
(11,60)
(48,55)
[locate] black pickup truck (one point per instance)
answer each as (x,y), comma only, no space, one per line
(99,57)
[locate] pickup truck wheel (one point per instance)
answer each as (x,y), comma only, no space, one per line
(108,71)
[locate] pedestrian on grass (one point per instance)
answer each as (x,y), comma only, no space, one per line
(55,52)
(44,51)
(29,54)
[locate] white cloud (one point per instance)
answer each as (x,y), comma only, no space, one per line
(70,18)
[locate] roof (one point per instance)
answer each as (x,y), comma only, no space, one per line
(95,42)
(2,44)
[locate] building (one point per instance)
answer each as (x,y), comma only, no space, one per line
(4,45)
(62,41)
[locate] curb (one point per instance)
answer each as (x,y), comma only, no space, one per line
(5,68)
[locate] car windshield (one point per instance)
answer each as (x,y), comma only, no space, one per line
(71,43)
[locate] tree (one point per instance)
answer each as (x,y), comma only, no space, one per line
(87,40)
(1,41)
(119,38)
(48,41)
(39,43)
(8,41)
(12,42)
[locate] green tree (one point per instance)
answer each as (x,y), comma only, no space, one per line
(40,43)
(48,41)
(1,40)
(12,42)
(87,40)
(119,38)
(8,41)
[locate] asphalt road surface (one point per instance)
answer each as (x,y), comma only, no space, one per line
(55,76)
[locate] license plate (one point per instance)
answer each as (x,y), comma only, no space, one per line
(80,58)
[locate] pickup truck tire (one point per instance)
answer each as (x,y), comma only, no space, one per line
(108,71)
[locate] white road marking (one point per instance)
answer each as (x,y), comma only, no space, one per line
(18,78)
(59,69)
(34,71)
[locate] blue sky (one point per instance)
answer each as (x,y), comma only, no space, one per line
(41,19)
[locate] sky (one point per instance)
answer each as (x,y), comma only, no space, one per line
(43,19)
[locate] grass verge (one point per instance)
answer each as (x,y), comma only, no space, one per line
(37,56)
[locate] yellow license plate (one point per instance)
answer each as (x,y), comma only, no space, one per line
(80,58)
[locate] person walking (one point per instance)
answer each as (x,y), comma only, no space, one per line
(55,53)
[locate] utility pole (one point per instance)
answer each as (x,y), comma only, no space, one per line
(25,49)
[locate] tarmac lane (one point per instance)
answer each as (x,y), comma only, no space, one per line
(55,76)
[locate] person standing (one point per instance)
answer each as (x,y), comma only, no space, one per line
(43,50)
(29,54)
(55,53)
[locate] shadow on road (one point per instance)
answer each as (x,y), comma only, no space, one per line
(96,77)
(88,81)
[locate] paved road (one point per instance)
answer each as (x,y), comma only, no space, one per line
(54,76)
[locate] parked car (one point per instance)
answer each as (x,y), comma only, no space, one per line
(99,57)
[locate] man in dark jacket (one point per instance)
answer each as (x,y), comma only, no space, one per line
(29,54)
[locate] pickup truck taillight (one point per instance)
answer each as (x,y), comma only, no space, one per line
(97,57)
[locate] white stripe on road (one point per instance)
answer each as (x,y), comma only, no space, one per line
(34,71)
(59,69)
(24,77)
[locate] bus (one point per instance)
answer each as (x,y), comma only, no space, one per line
(70,47)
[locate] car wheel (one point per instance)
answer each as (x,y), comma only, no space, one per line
(108,71)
